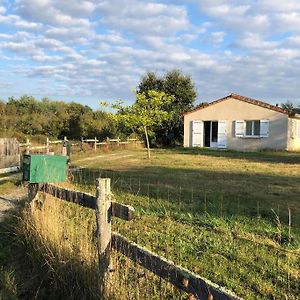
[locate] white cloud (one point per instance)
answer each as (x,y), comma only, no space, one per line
(2,10)
(101,48)
(50,12)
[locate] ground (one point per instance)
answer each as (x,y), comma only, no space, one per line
(10,194)
(222,214)
(231,217)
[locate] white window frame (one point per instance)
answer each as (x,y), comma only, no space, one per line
(263,130)
(252,135)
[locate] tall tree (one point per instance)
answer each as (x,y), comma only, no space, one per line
(181,87)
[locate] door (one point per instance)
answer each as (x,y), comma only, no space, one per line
(214,134)
(197,134)
(222,134)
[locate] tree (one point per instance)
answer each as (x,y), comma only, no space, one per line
(181,87)
(289,106)
(146,113)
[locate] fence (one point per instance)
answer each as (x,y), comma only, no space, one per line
(110,143)
(196,286)
(46,148)
(9,155)
(62,145)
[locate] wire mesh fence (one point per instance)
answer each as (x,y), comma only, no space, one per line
(249,246)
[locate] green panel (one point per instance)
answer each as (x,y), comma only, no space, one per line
(44,168)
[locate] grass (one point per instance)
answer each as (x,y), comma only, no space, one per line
(205,209)
(220,214)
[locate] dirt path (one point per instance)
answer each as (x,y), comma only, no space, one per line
(89,160)
(10,199)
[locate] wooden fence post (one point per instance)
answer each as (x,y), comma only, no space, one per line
(95,144)
(81,144)
(47,146)
(103,219)
(33,189)
(27,146)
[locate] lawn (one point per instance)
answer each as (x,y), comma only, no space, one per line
(221,214)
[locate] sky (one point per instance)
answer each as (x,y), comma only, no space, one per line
(93,50)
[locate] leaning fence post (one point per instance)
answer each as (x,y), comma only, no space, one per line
(103,219)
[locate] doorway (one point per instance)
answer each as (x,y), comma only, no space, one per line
(211,134)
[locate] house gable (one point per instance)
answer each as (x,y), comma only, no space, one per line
(241,98)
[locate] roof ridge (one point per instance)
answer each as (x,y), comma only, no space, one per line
(245,99)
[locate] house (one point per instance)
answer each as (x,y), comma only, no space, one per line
(241,123)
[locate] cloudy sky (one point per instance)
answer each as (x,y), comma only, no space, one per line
(95,49)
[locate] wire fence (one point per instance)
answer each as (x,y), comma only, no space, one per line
(247,245)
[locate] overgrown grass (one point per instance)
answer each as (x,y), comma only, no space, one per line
(223,215)
(220,214)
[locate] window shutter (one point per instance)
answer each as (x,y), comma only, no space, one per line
(239,128)
(222,134)
(264,128)
(197,134)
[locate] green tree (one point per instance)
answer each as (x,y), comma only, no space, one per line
(181,87)
(145,114)
(291,107)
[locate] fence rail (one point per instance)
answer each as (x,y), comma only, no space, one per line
(199,287)
(94,142)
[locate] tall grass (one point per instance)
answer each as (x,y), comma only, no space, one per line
(61,247)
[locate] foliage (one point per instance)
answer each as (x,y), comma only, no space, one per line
(181,87)
(206,210)
(291,107)
(28,116)
(146,113)
(148,110)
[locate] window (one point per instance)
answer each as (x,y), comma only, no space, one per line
(253,128)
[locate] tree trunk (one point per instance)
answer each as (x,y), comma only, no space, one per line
(147,141)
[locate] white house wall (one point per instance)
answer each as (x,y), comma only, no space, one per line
(231,110)
(293,134)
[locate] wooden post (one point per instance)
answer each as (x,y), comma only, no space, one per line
(81,144)
(95,144)
(27,146)
(33,189)
(47,146)
(103,219)
(118,142)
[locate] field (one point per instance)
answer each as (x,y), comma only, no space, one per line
(231,217)
(223,215)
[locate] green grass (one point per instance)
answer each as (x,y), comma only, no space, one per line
(221,214)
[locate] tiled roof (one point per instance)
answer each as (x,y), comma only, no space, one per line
(242,98)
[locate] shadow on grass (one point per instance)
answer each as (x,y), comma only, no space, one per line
(196,192)
(261,156)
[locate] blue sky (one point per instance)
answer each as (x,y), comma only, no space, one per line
(96,49)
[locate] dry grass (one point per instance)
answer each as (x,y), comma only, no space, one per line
(197,208)
(61,251)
